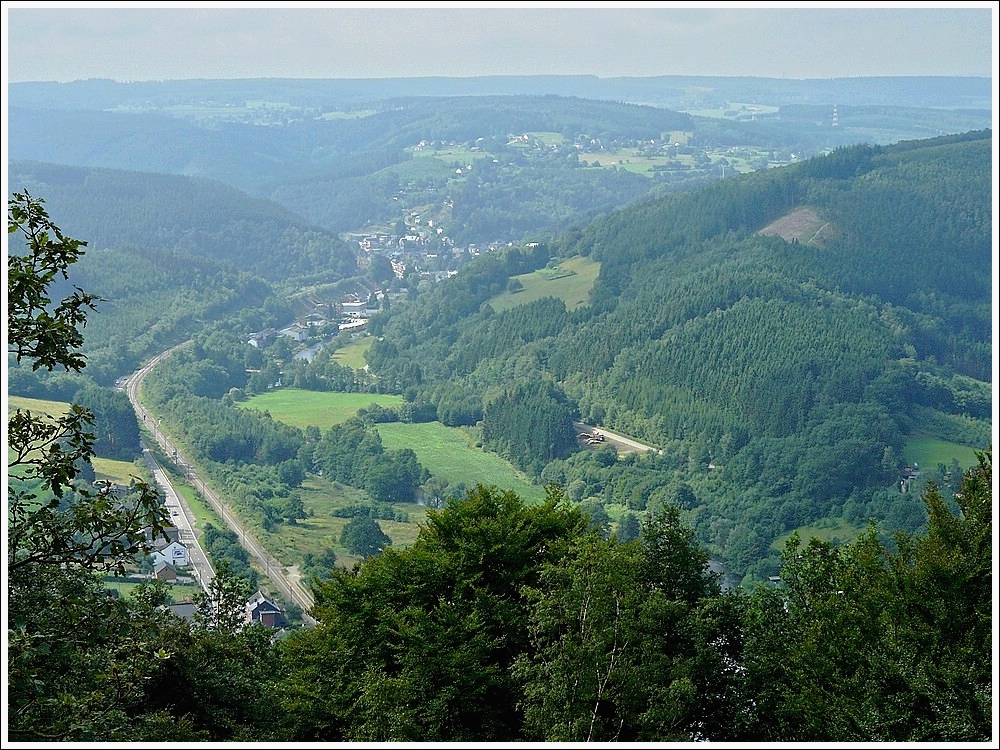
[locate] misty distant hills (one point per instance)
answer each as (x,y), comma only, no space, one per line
(341,153)
(675,92)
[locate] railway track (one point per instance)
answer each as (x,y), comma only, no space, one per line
(291,589)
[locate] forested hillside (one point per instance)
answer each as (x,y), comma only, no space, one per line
(204,219)
(781,370)
(781,377)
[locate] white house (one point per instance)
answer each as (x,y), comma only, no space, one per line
(174,553)
(353,308)
(295,331)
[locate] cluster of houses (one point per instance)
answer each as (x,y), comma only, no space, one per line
(258,609)
(171,559)
(908,475)
(350,314)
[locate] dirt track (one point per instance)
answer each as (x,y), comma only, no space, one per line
(621,443)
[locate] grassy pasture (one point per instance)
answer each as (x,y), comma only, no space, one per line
(37,406)
(118,472)
(446,453)
(571,282)
(353,355)
(353,115)
(626,158)
(321,530)
(928,452)
(179,592)
(421,166)
(550,139)
(449,155)
(826,529)
(317,408)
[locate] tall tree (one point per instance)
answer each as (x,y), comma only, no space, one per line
(631,642)
(861,643)
(54,519)
(418,643)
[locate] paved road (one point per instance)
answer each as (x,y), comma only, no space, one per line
(290,588)
(181,517)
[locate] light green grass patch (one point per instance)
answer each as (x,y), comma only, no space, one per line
(835,530)
(353,355)
(321,529)
(449,156)
(571,281)
(446,453)
(352,115)
(928,452)
(549,139)
(421,167)
(628,159)
(37,406)
(300,408)
(179,592)
(110,470)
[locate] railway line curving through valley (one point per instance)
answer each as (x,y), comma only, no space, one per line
(290,588)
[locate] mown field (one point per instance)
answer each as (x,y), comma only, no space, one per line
(353,355)
(835,530)
(117,472)
(179,592)
(928,452)
(36,406)
(447,453)
(571,282)
(316,408)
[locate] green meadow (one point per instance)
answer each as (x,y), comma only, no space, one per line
(321,529)
(835,530)
(316,408)
(570,281)
(928,452)
(353,355)
(36,406)
(447,453)
(178,592)
(110,470)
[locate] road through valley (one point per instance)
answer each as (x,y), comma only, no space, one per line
(276,572)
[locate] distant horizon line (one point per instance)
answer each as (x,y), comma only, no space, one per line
(493,76)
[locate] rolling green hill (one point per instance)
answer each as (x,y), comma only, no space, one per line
(783,377)
(785,334)
(205,219)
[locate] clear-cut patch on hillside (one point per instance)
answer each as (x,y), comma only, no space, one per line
(801,224)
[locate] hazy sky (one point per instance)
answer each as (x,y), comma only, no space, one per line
(150,41)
